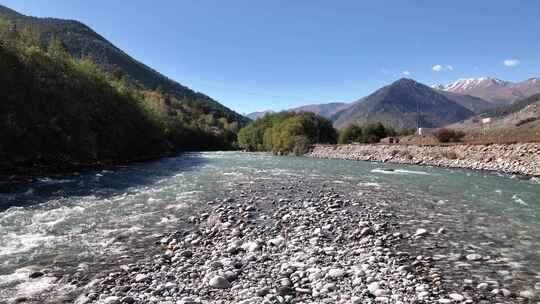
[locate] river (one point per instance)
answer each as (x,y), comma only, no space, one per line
(99,218)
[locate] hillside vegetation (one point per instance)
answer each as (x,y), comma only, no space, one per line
(286,132)
(59,111)
(82,42)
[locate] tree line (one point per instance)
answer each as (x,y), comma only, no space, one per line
(294,133)
(287,132)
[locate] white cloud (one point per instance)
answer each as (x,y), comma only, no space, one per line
(406,73)
(511,62)
(437,68)
(441,68)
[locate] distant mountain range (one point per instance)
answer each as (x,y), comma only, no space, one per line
(256,115)
(438,105)
(494,90)
(325,110)
(82,41)
(401,104)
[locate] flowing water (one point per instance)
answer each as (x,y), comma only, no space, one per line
(102,217)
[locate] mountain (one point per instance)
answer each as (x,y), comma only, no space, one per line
(529,87)
(397,105)
(260,114)
(475,104)
(326,110)
(81,41)
(519,121)
(496,91)
(59,112)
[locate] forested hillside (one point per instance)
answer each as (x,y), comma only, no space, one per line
(59,112)
(82,42)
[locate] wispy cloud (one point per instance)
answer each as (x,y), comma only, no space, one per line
(511,62)
(441,68)
(406,73)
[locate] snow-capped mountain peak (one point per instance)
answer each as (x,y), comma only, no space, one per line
(493,89)
(465,84)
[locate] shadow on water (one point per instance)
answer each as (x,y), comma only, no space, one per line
(102,183)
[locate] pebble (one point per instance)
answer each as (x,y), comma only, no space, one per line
(420,232)
(219,282)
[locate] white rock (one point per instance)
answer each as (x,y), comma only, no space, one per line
(456,297)
(219,282)
(251,246)
(473,257)
(336,273)
(277,241)
(482,286)
(527,294)
(140,277)
(373,287)
(420,232)
(111,300)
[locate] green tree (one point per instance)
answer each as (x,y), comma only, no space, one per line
(57,50)
(350,133)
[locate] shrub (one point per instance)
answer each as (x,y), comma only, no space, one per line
(350,133)
(369,133)
(448,135)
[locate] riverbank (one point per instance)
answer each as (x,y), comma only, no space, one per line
(522,158)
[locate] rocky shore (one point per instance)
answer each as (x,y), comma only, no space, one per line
(523,158)
(299,242)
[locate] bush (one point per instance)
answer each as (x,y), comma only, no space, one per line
(448,135)
(350,133)
(369,133)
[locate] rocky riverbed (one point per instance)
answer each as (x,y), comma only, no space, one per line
(299,241)
(523,159)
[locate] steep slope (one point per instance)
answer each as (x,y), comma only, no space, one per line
(82,41)
(475,104)
(517,122)
(326,110)
(398,105)
(529,87)
(496,91)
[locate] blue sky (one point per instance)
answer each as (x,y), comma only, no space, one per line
(256,55)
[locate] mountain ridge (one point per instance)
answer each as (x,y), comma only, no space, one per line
(495,90)
(82,41)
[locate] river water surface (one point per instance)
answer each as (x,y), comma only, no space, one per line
(100,218)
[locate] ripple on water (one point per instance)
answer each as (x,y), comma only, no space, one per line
(399,172)
(518,200)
